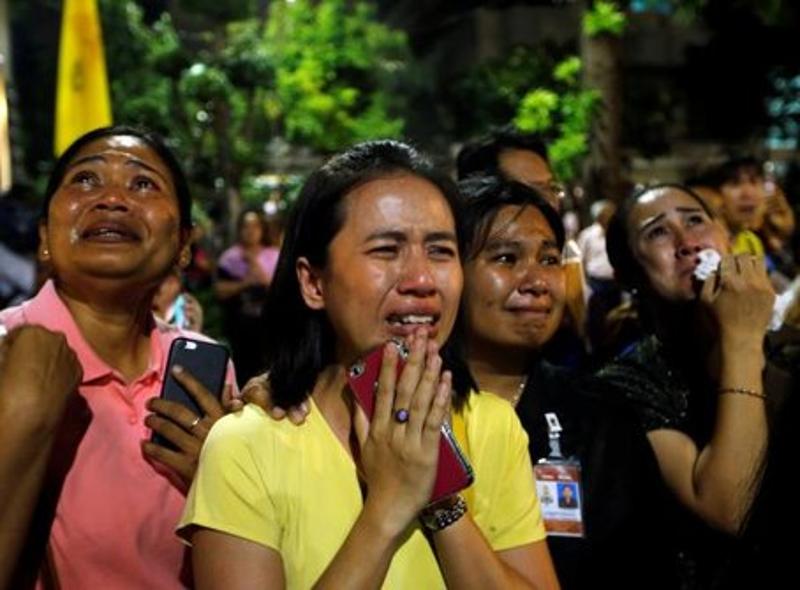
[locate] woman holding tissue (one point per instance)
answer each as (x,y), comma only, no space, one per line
(700,382)
(372,252)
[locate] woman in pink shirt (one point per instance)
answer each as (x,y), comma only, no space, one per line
(100,510)
(244,273)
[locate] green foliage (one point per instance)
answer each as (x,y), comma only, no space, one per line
(140,98)
(490,93)
(245,57)
(563,113)
(321,74)
(535,113)
(539,90)
(604,18)
(336,71)
(568,70)
(204,84)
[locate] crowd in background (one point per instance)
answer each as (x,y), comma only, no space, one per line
(742,191)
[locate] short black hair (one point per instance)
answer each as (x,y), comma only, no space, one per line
(627,270)
(300,341)
(151,139)
(483,155)
(731,168)
(482,197)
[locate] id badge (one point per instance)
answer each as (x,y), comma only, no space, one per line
(558,485)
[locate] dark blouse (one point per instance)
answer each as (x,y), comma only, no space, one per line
(242,317)
(668,388)
(658,387)
(624,545)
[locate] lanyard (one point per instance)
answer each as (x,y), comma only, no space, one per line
(554,430)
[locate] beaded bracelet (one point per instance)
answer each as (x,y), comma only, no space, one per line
(743,391)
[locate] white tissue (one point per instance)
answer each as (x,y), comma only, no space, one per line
(709,263)
(782,304)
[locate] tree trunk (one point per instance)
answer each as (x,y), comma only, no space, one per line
(602,71)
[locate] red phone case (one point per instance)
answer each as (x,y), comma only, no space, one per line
(454,473)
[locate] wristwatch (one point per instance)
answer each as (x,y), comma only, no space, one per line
(442,514)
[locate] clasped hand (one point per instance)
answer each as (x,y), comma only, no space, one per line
(741,297)
(398,459)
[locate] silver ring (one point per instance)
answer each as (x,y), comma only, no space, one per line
(401,416)
(194,423)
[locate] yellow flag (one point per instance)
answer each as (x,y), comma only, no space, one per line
(82,100)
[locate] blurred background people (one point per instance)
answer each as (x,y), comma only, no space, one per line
(173,304)
(18,271)
(758,215)
(604,293)
(514,155)
(244,274)
(740,183)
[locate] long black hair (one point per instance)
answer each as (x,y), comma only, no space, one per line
(300,341)
(152,140)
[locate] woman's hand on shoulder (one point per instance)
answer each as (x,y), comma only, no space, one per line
(257,391)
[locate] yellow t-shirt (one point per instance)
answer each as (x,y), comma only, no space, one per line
(295,489)
(747,242)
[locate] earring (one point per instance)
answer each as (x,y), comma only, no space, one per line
(45,252)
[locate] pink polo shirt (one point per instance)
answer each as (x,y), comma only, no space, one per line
(115,519)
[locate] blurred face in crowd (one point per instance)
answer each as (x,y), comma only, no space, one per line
(166,294)
(530,168)
(251,231)
(392,268)
(668,228)
(744,198)
(114,216)
(514,287)
(606,213)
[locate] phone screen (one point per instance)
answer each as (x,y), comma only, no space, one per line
(205,361)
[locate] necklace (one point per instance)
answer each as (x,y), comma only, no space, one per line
(520,389)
